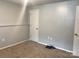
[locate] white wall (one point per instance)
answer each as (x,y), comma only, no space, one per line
(10,13)
(11,28)
(57,21)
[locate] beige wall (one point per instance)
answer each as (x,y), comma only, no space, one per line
(11,31)
(57,21)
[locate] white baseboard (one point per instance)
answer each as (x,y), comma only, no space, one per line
(42,43)
(57,47)
(64,49)
(13,44)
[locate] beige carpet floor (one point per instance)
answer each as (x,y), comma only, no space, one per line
(32,49)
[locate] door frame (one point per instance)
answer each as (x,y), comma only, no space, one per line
(38,25)
(76,15)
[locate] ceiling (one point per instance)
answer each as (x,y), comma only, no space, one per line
(35,2)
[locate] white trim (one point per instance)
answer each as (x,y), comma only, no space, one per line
(57,47)
(42,43)
(64,49)
(14,44)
